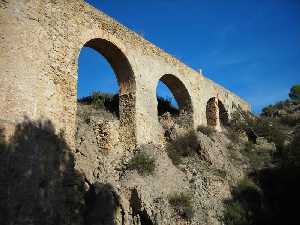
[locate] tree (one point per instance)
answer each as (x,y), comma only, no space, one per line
(295,92)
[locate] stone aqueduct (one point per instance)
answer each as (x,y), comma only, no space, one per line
(39,48)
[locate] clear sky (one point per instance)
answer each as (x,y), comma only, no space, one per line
(250,47)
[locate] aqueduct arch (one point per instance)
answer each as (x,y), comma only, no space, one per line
(126,80)
(182,97)
(39,48)
(216,114)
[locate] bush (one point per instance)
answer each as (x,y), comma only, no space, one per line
(246,185)
(110,102)
(245,207)
(183,204)
(235,214)
(233,135)
(268,111)
(271,130)
(101,100)
(143,163)
(295,92)
(233,153)
(241,120)
(290,120)
(291,155)
(97,99)
(86,117)
(268,128)
(165,105)
(183,146)
(219,172)
(257,158)
(208,131)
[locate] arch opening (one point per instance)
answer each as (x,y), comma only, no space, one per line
(117,94)
(216,114)
(223,114)
(174,100)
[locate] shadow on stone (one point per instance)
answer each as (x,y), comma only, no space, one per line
(103,206)
(38,182)
(138,211)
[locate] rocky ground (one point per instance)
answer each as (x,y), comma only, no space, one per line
(124,196)
(192,177)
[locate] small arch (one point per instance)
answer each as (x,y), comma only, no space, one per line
(184,111)
(216,114)
(125,78)
(212,112)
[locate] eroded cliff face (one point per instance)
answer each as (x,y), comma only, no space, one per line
(117,195)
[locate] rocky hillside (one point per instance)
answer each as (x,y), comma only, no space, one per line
(273,196)
(186,179)
(246,174)
(195,177)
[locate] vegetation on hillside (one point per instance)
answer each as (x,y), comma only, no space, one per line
(99,100)
(110,102)
(143,163)
(182,204)
(270,192)
(295,92)
(183,146)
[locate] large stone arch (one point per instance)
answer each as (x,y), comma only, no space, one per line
(127,86)
(182,96)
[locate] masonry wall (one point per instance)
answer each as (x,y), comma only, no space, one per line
(40,41)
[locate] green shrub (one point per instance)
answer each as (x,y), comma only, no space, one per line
(235,214)
(182,203)
(143,163)
(208,131)
(291,155)
(237,122)
(99,100)
(233,135)
(247,185)
(268,128)
(268,111)
(295,92)
(249,147)
(86,117)
(165,105)
(219,172)
(184,146)
(271,130)
(233,153)
(290,120)
(257,158)
(96,99)
(245,206)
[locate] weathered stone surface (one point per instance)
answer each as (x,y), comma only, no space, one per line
(49,177)
(39,48)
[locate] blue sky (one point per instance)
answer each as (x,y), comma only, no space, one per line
(250,47)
